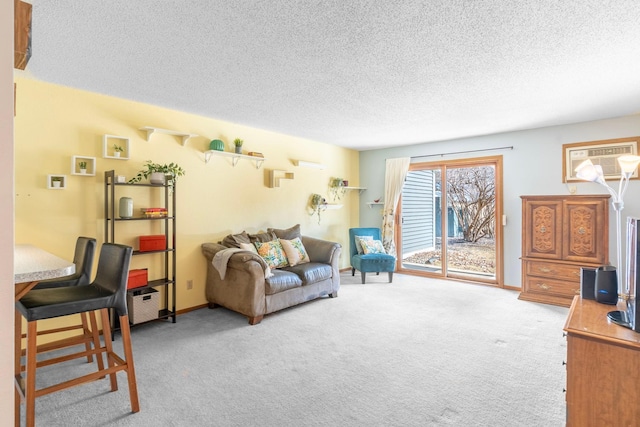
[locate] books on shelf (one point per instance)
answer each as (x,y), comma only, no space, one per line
(154,212)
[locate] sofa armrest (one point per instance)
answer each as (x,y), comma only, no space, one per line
(322,250)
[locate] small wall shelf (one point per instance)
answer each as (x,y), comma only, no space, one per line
(108,141)
(276,175)
(374,203)
(53,179)
(184,136)
(91,166)
(332,206)
(306,164)
(358,189)
(234,157)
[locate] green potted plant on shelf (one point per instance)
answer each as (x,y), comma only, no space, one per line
(83,167)
(336,188)
(157,172)
(238,144)
(56,181)
(117,150)
(317,204)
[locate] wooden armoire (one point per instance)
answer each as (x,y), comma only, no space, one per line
(561,234)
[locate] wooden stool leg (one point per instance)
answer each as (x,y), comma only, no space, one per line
(95,333)
(106,329)
(85,331)
(17,365)
(128,356)
(30,371)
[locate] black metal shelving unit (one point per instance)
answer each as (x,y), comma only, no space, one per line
(168,194)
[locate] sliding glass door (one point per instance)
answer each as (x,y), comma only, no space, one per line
(449,220)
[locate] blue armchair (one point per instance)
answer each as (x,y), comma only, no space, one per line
(369,263)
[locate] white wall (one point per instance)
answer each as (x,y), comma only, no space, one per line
(534,166)
(6,211)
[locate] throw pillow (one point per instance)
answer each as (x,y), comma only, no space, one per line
(288,234)
(295,251)
(262,237)
(272,253)
(234,240)
(358,245)
(372,246)
(249,247)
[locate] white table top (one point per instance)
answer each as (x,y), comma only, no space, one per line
(32,263)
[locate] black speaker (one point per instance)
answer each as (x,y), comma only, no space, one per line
(606,285)
(588,283)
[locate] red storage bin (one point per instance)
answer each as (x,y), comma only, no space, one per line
(137,278)
(153,243)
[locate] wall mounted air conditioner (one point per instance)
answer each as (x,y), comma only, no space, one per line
(605,155)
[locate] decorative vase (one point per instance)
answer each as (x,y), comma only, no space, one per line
(126,207)
(238,149)
(216,145)
(116,154)
(83,171)
(56,184)
(157,178)
(606,285)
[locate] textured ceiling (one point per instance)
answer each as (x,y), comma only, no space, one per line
(354,73)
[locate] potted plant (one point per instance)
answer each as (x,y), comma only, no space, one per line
(238,144)
(117,150)
(157,173)
(83,167)
(336,188)
(56,181)
(317,204)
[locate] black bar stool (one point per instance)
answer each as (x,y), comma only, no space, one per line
(107,291)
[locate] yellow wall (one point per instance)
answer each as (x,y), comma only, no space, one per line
(54,123)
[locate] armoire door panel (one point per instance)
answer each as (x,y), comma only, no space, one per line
(543,238)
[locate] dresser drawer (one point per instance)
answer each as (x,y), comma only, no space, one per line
(547,286)
(554,271)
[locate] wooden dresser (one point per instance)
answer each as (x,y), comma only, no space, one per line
(561,234)
(603,365)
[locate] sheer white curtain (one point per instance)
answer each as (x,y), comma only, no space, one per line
(395,174)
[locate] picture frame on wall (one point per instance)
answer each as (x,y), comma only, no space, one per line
(604,153)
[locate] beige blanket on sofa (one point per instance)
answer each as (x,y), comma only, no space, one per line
(221,258)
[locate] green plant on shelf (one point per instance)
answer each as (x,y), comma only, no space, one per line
(172,170)
(117,148)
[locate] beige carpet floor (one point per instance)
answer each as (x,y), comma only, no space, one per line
(418,352)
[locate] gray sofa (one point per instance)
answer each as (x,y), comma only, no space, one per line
(246,290)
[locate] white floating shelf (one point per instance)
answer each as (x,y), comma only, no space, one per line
(89,170)
(276,175)
(306,164)
(374,203)
(56,182)
(358,189)
(108,142)
(332,206)
(184,136)
(234,157)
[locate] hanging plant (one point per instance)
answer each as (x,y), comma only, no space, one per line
(317,204)
(336,188)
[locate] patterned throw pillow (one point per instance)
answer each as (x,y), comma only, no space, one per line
(272,253)
(358,245)
(295,251)
(372,246)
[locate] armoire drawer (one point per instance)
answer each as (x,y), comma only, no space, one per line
(545,285)
(554,271)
